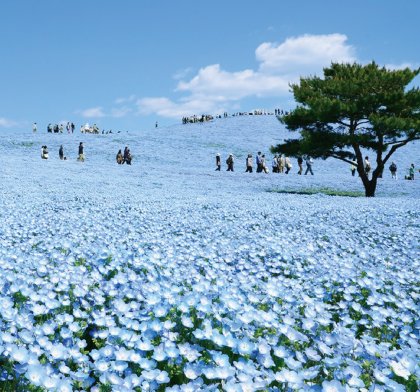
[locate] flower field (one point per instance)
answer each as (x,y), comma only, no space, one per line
(169,276)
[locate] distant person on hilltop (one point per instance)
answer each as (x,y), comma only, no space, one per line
(249,164)
(34,127)
(81,156)
(229,162)
(218,162)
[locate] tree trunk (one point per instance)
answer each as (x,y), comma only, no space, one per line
(370,187)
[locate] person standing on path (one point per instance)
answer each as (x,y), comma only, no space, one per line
(393,170)
(229,163)
(309,163)
(81,157)
(300,164)
(249,164)
(258,162)
(218,162)
(34,127)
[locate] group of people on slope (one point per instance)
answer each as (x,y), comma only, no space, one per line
(280,164)
(392,169)
(80,157)
(56,128)
(124,158)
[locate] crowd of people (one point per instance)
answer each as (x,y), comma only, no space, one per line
(195,119)
(121,158)
(283,164)
(256,112)
(279,164)
(70,127)
(80,156)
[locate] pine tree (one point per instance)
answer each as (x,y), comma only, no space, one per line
(353,108)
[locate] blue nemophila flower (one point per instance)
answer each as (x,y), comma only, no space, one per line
(19,354)
(36,374)
(333,386)
(245,347)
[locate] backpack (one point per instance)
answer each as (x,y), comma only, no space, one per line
(393,167)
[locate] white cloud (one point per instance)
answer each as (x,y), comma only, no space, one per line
(120,112)
(214,89)
(6,123)
(93,112)
(183,73)
(305,53)
(123,100)
(167,108)
(223,85)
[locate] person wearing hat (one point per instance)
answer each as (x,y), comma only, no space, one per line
(218,162)
(229,163)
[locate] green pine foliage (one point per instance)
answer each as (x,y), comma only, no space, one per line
(354,108)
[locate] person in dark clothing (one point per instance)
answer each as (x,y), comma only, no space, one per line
(258,161)
(128,157)
(120,158)
(393,170)
(300,164)
(218,162)
(61,152)
(125,153)
(81,153)
(229,163)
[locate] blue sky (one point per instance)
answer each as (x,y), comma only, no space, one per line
(126,64)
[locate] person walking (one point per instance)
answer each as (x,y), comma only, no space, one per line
(263,163)
(282,163)
(81,157)
(275,165)
(34,127)
(309,162)
(287,164)
(218,162)
(300,164)
(61,152)
(258,162)
(229,162)
(367,166)
(353,167)
(249,164)
(393,170)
